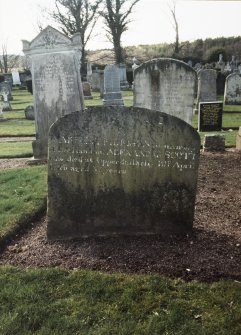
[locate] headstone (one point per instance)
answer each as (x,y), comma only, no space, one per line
(214,142)
(232,92)
(198,66)
(123,171)
(239,68)
(57,88)
(16,78)
(227,68)
(1,112)
(29,112)
(87,90)
(210,116)
(166,85)
(112,93)
(123,79)
(238,139)
(233,64)
(207,86)
(189,63)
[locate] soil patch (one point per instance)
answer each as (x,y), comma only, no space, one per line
(212,252)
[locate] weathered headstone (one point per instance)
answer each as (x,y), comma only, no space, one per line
(29,112)
(220,65)
(87,90)
(16,78)
(121,171)
(166,85)
(232,92)
(89,72)
(210,116)
(207,87)
(1,111)
(214,142)
(238,139)
(57,88)
(112,93)
(6,87)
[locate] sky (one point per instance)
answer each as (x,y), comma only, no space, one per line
(151,22)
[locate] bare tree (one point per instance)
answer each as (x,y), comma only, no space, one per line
(7,62)
(116,15)
(77,16)
(176,28)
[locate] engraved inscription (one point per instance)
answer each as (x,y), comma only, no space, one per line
(73,155)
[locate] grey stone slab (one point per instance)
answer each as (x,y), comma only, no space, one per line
(166,85)
(207,87)
(112,93)
(124,171)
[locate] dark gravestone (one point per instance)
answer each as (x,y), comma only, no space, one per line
(128,172)
(210,116)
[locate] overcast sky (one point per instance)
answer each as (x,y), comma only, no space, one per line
(151,22)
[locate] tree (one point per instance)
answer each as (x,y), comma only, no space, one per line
(176,28)
(116,15)
(7,62)
(77,16)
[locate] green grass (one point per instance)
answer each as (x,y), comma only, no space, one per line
(21,99)
(23,193)
(14,115)
(17,128)
(58,302)
(16,149)
(229,120)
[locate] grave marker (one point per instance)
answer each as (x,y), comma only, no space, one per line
(112,93)
(125,171)
(57,88)
(232,92)
(210,116)
(166,85)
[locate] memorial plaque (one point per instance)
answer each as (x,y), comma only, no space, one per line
(125,171)
(57,88)
(166,85)
(210,116)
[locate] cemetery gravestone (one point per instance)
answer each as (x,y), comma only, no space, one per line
(87,90)
(214,142)
(112,93)
(57,88)
(210,116)
(166,85)
(16,78)
(5,92)
(29,112)
(232,93)
(125,171)
(207,87)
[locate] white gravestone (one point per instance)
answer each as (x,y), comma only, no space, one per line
(112,93)
(166,85)
(57,88)
(16,78)
(232,93)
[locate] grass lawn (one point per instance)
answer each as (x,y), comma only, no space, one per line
(16,127)
(16,149)
(23,194)
(54,301)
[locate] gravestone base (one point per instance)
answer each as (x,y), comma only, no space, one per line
(33,161)
(112,99)
(124,85)
(6,106)
(40,149)
(214,143)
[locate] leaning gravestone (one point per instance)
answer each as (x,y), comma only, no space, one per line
(232,92)
(166,85)
(207,87)
(210,116)
(57,88)
(122,171)
(112,93)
